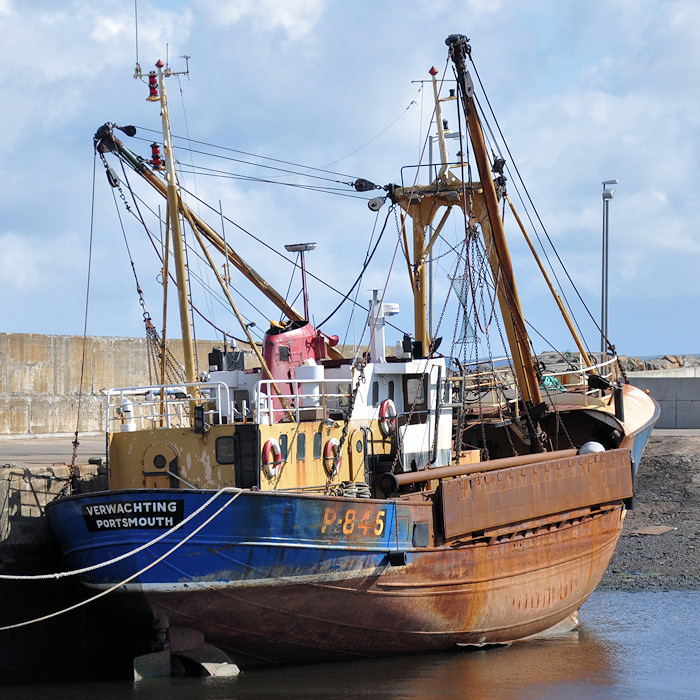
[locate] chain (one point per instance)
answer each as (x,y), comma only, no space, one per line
(343,437)
(620,366)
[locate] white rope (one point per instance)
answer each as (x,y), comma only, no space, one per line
(133,576)
(76,572)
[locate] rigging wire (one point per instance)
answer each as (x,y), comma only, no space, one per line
(153,239)
(368,259)
(281,255)
(258,179)
(352,318)
(259,165)
(214,294)
(492,143)
(526,209)
(384,130)
(200,201)
(211,172)
(495,148)
(76,443)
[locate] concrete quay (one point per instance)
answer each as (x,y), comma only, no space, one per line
(50,450)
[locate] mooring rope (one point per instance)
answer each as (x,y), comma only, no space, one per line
(76,572)
(145,568)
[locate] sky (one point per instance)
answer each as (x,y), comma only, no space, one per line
(583,92)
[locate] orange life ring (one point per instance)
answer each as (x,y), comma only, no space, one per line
(330,451)
(387,417)
(271,458)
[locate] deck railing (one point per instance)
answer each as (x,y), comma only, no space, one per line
(165,406)
(300,399)
(493,382)
(171,405)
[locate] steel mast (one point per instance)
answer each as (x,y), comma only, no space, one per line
(501,264)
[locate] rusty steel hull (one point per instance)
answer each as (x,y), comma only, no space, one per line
(476,594)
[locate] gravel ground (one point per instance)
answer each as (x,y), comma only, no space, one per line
(667,496)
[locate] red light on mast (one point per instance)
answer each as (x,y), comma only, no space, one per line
(152,87)
(156,160)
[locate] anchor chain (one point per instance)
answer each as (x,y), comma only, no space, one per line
(343,437)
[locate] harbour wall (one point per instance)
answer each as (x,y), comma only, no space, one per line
(41,378)
(678,393)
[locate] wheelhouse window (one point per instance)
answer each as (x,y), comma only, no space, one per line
(414,392)
(301,447)
(284,446)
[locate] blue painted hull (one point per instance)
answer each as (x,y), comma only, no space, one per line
(247,537)
(640,438)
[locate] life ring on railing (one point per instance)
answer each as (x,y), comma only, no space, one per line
(387,417)
(330,452)
(271,458)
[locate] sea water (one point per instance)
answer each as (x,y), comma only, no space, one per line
(628,646)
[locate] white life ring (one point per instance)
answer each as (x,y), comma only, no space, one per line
(330,451)
(387,417)
(271,458)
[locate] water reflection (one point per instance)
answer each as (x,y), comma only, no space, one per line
(518,671)
(629,645)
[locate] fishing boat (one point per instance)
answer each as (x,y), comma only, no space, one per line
(319,505)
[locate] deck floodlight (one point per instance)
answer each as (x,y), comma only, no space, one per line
(302,248)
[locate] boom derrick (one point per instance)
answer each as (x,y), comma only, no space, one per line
(106,141)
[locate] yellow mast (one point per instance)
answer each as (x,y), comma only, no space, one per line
(422,204)
(174,218)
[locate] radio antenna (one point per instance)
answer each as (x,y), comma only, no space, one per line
(137,70)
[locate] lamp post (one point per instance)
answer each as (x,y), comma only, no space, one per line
(607,196)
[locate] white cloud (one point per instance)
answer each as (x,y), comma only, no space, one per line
(28,268)
(296,19)
(20,267)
